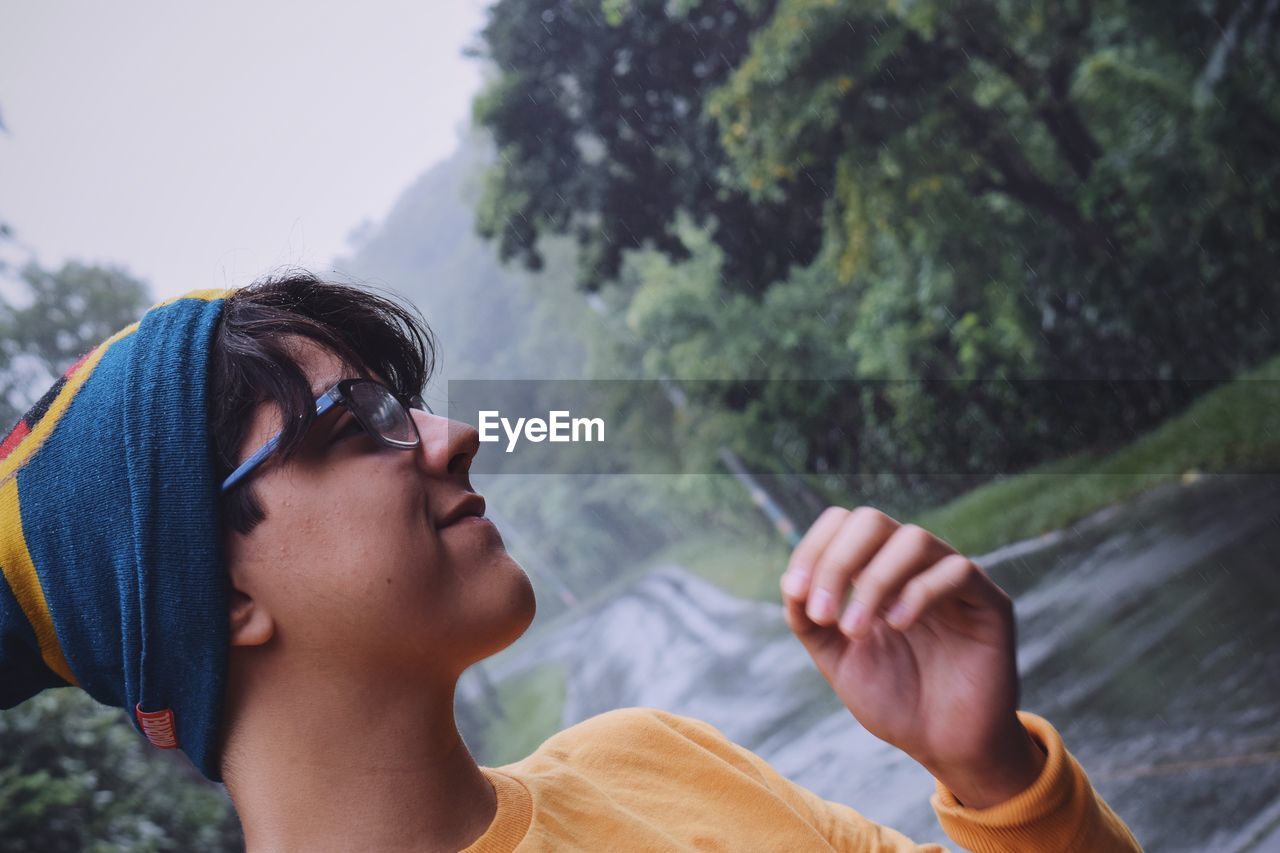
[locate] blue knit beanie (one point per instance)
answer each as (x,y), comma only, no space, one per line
(113,576)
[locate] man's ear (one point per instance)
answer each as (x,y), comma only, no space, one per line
(251,624)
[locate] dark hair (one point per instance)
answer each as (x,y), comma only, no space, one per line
(252,362)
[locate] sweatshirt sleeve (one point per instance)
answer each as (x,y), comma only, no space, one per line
(1059,812)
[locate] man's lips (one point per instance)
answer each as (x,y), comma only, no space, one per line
(471,506)
(470,519)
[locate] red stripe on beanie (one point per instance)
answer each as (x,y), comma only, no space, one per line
(80,361)
(15,437)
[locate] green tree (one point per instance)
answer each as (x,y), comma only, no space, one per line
(66,312)
(991,190)
(598,117)
(1054,149)
(77,777)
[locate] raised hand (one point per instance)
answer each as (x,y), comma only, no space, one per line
(923,652)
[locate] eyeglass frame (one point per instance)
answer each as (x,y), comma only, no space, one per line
(338,395)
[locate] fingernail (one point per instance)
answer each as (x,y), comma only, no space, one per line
(794,582)
(897,615)
(822,605)
(854,617)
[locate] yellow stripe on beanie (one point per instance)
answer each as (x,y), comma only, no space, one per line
(207,294)
(20,573)
(39,432)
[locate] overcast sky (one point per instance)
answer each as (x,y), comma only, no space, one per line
(199,145)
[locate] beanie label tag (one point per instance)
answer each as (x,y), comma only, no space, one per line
(158,726)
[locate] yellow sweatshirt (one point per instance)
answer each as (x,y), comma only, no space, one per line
(644,779)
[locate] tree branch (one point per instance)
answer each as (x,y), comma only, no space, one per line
(1019,180)
(1050,96)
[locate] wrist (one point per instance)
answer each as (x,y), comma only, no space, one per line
(999,775)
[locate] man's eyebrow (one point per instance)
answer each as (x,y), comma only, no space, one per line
(321,387)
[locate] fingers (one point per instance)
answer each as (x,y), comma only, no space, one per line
(885,563)
(822,566)
(795,581)
(910,550)
(953,577)
(862,535)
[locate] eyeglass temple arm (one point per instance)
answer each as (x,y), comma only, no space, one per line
(324,403)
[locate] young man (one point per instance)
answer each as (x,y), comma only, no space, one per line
(232,520)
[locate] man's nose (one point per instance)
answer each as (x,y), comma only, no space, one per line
(448,446)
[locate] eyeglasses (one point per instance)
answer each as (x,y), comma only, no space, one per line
(379,411)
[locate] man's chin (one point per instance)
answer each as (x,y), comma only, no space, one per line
(519,605)
(524,606)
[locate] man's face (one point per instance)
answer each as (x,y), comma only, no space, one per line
(352,561)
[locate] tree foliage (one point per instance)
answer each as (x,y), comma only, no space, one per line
(76,776)
(599,119)
(64,314)
(912,190)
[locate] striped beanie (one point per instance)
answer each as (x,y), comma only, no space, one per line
(113,577)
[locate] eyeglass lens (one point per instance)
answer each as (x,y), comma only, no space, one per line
(383,412)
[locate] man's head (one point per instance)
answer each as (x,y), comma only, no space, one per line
(128,574)
(339,551)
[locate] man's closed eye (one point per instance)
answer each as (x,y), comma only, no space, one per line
(349,430)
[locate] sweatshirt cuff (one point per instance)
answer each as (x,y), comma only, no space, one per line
(1048,815)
